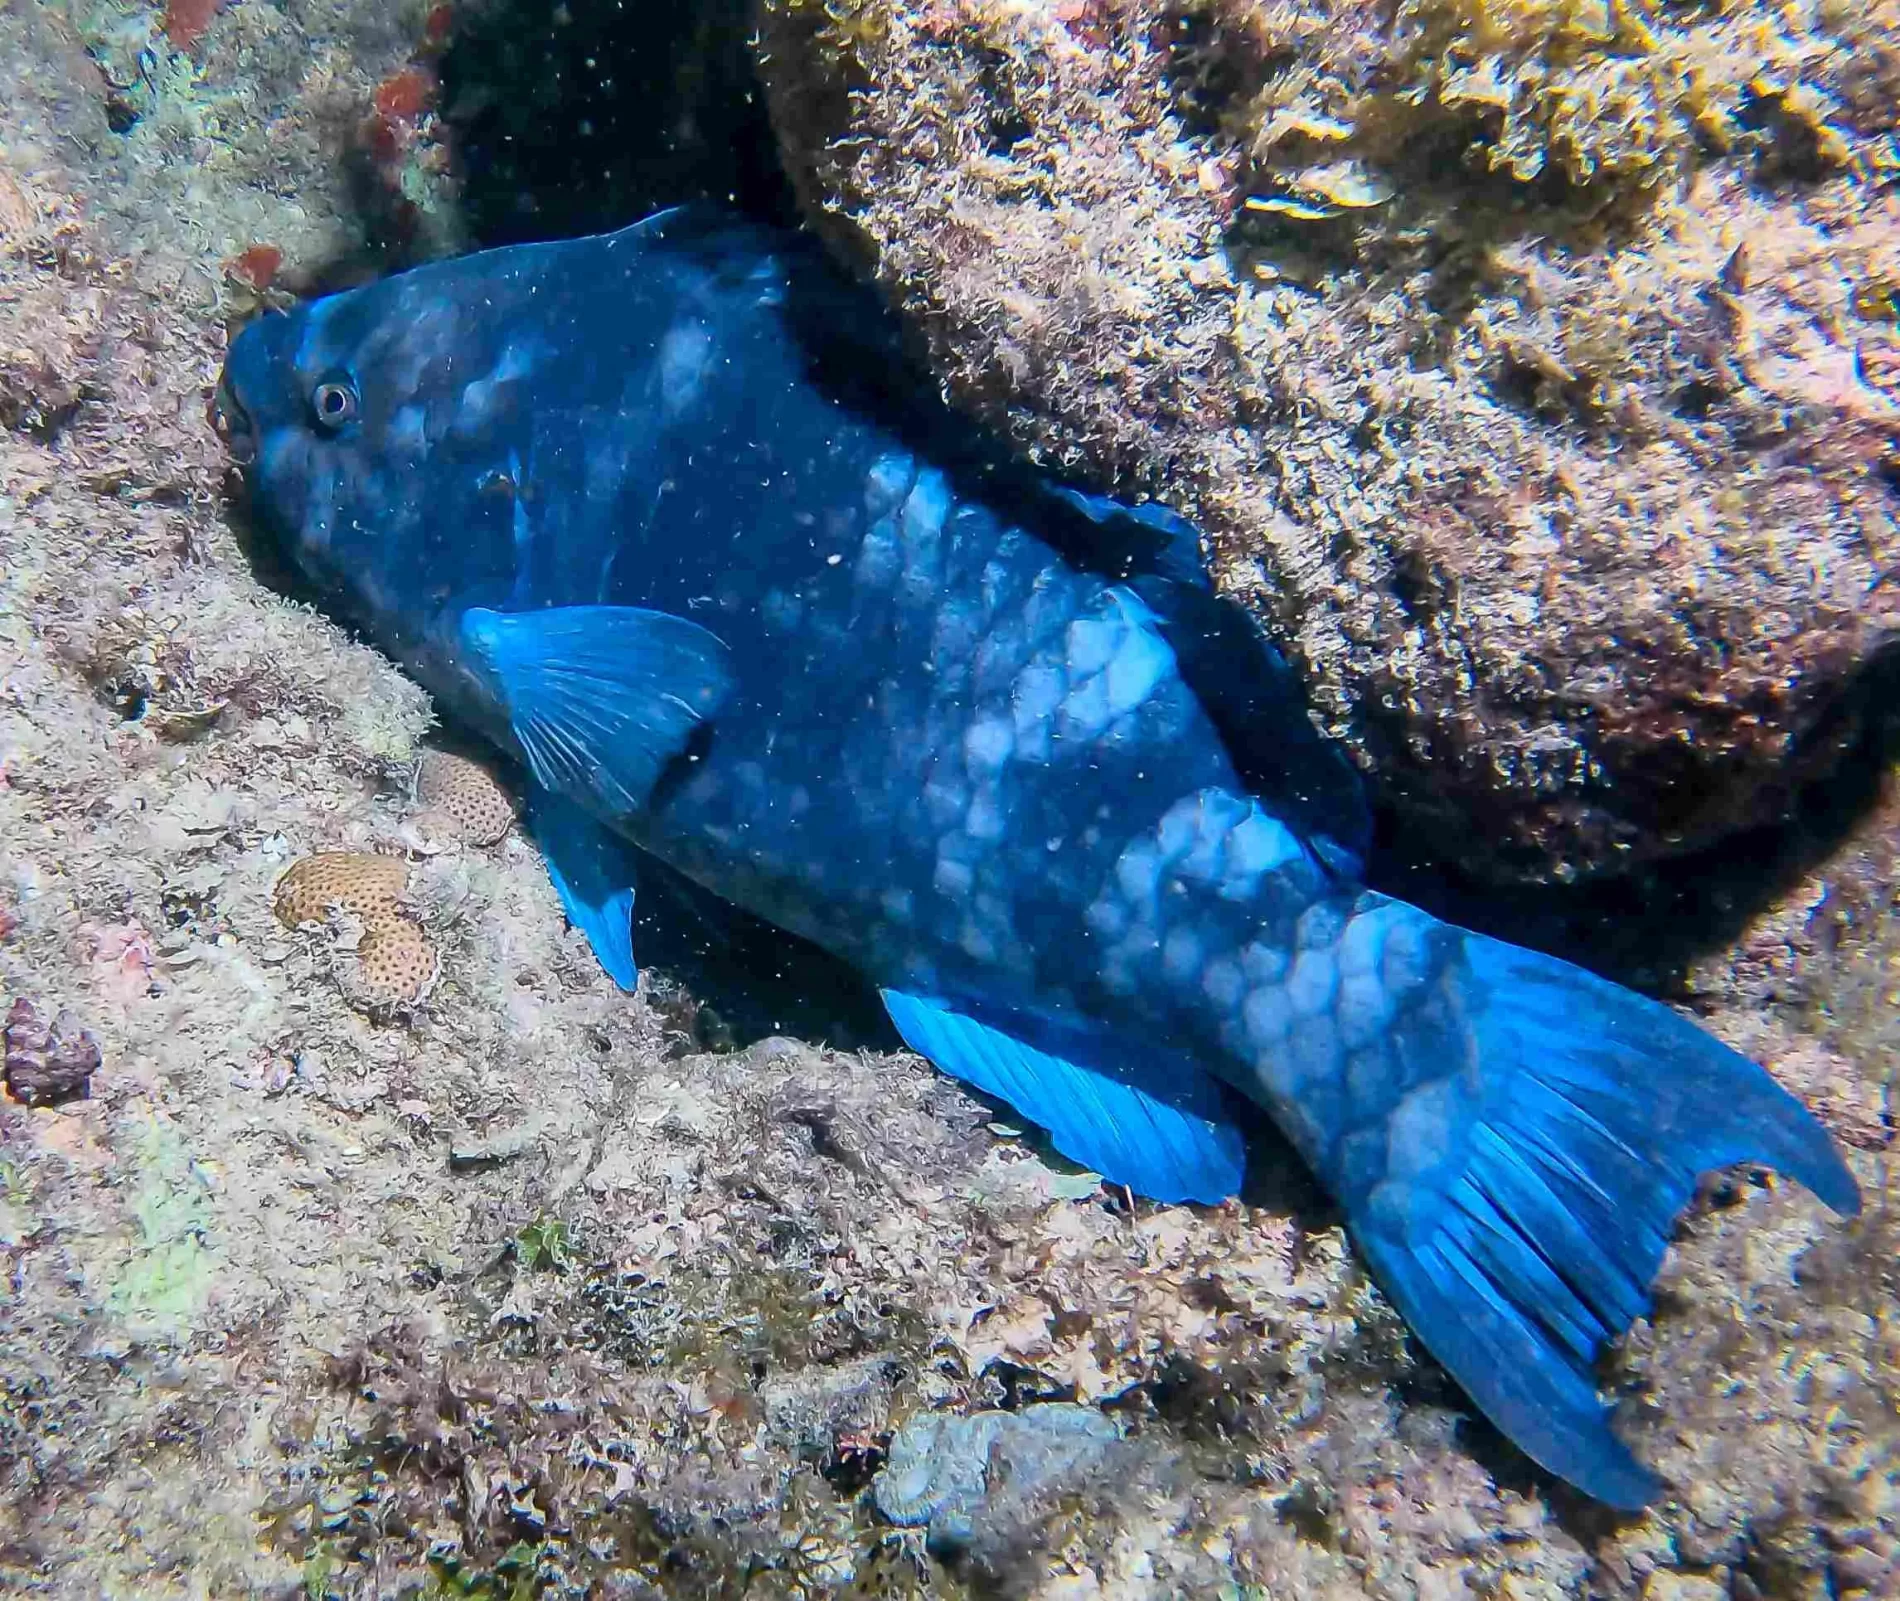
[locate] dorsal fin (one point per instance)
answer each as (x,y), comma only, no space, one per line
(1251,693)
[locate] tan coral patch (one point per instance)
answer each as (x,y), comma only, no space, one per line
(366,886)
(395,964)
(466,794)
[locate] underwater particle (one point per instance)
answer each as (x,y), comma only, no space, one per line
(395,964)
(943,1470)
(367,886)
(466,794)
(45,1066)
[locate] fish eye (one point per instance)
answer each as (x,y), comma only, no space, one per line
(333,403)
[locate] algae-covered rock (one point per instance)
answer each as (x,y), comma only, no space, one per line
(947,1473)
(249,137)
(1532,367)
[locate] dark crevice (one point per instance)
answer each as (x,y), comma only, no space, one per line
(1645,928)
(583,115)
(1792,145)
(1697,398)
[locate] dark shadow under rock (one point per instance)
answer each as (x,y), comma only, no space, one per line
(574,116)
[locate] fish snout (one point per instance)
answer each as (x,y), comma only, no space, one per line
(232,423)
(252,398)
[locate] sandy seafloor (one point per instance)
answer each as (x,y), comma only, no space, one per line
(524,1289)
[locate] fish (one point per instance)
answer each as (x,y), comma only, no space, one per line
(656,515)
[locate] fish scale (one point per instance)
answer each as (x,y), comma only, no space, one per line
(650,513)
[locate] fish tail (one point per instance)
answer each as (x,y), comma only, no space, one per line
(1512,1138)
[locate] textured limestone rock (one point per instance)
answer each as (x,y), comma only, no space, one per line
(945,1473)
(47,1063)
(1534,368)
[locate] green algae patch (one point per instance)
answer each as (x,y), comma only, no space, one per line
(161,1288)
(15,1217)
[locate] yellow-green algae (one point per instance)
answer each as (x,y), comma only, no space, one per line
(159,1290)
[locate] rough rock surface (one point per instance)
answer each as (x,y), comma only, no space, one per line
(524,1290)
(948,1472)
(1532,366)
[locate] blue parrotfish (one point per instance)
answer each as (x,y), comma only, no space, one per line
(652,513)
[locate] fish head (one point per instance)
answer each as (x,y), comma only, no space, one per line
(382,434)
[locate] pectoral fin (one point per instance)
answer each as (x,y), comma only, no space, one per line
(600,698)
(1150,1121)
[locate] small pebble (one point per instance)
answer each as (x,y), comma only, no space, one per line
(943,1469)
(1668,1585)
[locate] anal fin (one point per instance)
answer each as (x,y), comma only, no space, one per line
(1150,1120)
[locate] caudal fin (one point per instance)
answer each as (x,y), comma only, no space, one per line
(1585,1115)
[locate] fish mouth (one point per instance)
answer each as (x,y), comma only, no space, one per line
(232,424)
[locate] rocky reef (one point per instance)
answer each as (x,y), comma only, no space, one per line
(1533,367)
(359,1239)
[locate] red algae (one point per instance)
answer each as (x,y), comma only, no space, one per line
(257,266)
(187,20)
(405,95)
